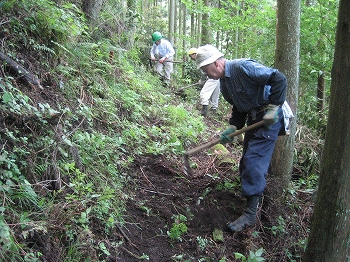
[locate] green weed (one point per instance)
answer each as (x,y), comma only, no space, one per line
(253,256)
(280,227)
(202,242)
(178,227)
(229,185)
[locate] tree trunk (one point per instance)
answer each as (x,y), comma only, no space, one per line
(199,32)
(321,86)
(131,25)
(193,28)
(92,9)
(184,15)
(206,39)
(217,39)
(330,226)
(287,61)
(172,7)
(18,70)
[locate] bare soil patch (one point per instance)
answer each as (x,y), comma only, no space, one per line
(161,192)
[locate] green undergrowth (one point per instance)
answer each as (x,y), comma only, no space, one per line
(72,168)
(64,165)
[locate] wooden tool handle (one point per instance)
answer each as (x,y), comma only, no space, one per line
(216,141)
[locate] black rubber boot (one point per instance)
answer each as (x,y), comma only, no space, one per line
(249,216)
(204,110)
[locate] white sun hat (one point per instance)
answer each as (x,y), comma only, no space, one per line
(206,55)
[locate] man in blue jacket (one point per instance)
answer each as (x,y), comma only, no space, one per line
(256,92)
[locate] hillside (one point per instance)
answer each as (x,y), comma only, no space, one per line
(92,162)
(156,194)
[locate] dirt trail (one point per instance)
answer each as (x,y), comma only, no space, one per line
(208,200)
(161,195)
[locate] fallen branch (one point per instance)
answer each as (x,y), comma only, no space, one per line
(157,192)
(132,254)
(17,69)
(129,241)
(121,231)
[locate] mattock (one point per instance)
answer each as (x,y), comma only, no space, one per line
(187,154)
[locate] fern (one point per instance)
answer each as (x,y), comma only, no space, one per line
(44,48)
(61,46)
(40,169)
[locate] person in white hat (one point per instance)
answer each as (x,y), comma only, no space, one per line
(210,88)
(256,92)
(162,52)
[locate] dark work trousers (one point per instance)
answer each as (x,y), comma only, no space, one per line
(257,153)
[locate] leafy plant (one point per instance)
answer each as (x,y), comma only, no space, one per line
(229,185)
(253,256)
(202,242)
(280,227)
(178,227)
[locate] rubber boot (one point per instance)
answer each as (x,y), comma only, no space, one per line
(204,110)
(249,216)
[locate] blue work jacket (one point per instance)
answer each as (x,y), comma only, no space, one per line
(249,85)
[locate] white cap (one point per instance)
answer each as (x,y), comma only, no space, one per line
(206,55)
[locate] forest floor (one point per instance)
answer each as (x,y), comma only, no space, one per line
(163,198)
(171,216)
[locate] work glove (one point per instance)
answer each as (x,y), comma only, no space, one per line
(224,136)
(271,115)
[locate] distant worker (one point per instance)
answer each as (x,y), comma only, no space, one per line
(210,91)
(162,52)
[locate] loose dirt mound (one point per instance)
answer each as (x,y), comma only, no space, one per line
(162,195)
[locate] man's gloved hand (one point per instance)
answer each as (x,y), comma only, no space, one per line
(271,115)
(224,136)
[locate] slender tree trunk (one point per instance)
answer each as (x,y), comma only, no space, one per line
(330,226)
(321,86)
(240,33)
(179,18)
(199,32)
(218,32)
(171,21)
(131,28)
(184,15)
(206,39)
(92,9)
(237,30)
(193,28)
(287,61)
